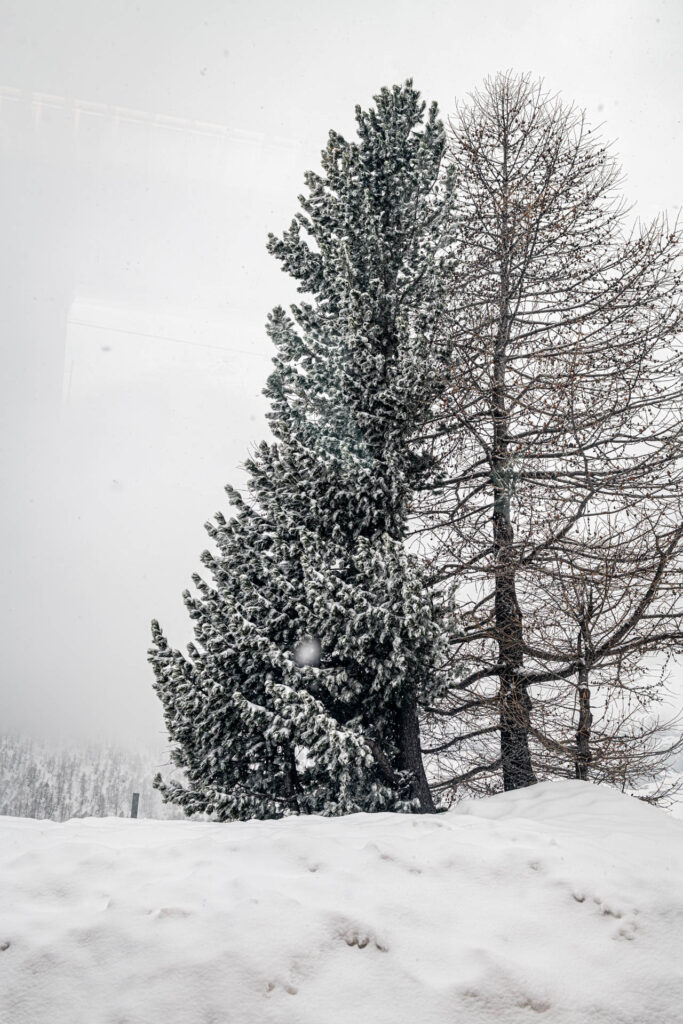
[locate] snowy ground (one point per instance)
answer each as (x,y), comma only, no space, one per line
(562,903)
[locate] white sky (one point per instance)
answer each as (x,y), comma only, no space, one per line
(146,150)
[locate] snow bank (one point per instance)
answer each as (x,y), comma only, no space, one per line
(563,902)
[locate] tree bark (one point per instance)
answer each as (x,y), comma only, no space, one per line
(583,733)
(515,708)
(292,784)
(411,756)
(515,703)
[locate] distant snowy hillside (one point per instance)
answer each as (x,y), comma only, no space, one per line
(42,780)
(563,902)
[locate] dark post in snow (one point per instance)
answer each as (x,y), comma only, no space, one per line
(134,807)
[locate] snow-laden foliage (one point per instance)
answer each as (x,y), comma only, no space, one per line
(315,554)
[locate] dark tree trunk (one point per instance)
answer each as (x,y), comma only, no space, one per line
(293,788)
(411,757)
(515,709)
(515,703)
(583,733)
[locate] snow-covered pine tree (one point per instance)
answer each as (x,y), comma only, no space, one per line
(316,642)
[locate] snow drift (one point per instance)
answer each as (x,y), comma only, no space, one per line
(563,902)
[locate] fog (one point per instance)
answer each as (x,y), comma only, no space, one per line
(147,149)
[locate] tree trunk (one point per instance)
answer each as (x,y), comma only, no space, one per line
(411,757)
(515,708)
(583,733)
(515,703)
(293,788)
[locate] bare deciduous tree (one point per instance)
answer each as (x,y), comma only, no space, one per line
(557,521)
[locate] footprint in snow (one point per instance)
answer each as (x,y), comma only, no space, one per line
(361,938)
(169,912)
(289,989)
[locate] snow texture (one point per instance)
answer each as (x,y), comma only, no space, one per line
(562,903)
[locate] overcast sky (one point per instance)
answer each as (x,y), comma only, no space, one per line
(147,149)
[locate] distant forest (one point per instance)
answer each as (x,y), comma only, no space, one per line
(38,780)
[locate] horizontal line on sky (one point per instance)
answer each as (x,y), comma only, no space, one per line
(165,337)
(153,120)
